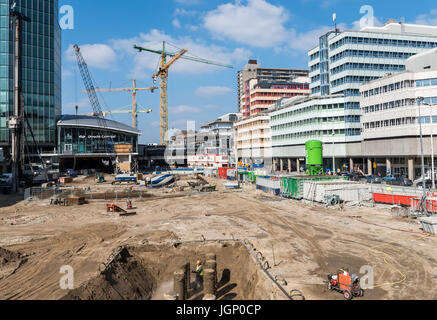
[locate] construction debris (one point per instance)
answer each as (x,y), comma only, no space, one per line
(305,236)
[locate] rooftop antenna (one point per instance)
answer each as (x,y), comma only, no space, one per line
(334,19)
(402,23)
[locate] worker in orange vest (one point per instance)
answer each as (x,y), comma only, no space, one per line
(199,275)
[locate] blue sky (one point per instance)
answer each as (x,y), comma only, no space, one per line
(276,32)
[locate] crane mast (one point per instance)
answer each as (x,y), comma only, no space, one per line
(89,86)
(163,79)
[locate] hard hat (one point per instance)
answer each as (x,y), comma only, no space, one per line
(199,262)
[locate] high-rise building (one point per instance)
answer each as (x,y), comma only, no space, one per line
(344,60)
(41,71)
(259,87)
(338,66)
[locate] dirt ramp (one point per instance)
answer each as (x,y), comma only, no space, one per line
(126,278)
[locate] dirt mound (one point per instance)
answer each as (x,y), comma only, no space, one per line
(9,262)
(125,278)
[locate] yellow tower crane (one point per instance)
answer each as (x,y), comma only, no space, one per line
(135,110)
(163,76)
(105,113)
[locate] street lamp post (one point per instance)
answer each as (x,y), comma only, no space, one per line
(432,144)
(333,152)
(419,103)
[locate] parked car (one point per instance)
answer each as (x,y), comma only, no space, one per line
(397,180)
(358,177)
(354,176)
(373,179)
(428,183)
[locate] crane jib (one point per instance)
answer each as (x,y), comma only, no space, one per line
(163,75)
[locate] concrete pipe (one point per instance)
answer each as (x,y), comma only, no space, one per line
(209,297)
(212,264)
(187,278)
(209,282)
(179,285)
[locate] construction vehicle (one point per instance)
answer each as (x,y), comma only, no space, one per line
(163,76)
(345,282)
(18,122)
(128,178)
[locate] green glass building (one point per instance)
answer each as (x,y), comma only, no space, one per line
(41,70)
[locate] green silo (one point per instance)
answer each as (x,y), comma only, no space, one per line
(314,157)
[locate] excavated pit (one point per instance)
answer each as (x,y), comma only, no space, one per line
(146,273)
(10,262)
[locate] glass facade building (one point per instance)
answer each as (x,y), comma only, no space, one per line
(41,69)
(83,135)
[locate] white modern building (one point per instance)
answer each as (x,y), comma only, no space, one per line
(344,60)
(391,116)
(314,118)
(338,66)
(253,140)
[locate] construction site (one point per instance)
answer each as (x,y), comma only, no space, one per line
(83,219)
(127,242)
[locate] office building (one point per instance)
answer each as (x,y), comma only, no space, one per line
(259,87)
(391,118)
(84,144)
(253,140)
(212,146)
(41,72)
(338,66)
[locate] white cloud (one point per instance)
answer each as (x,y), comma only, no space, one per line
(357,25)
(145,62)
(176,23)
(302,42)
(213,91)
(184,13)
(429,18)
(99,56)
(184,109)
(307,40)
(258,23)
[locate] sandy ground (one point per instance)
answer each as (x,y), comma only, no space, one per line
(302,242)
